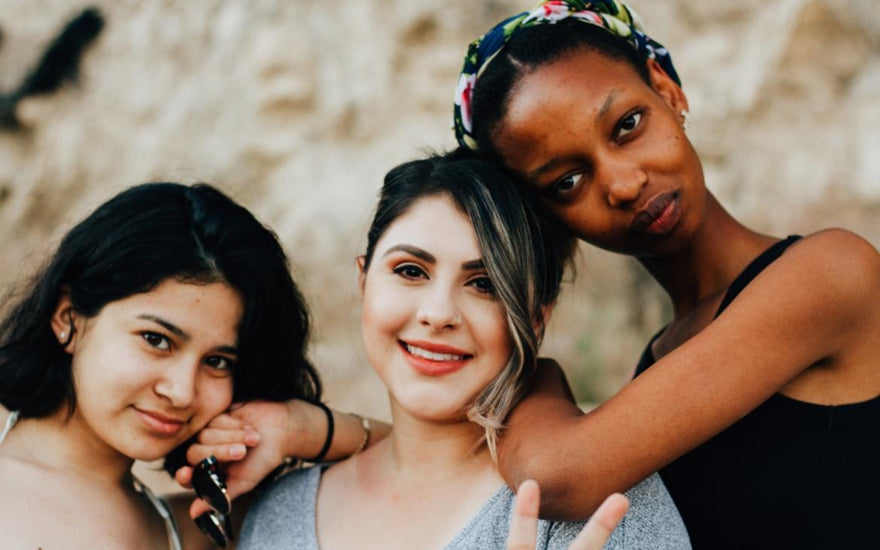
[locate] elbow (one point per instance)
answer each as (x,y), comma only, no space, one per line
(565,495)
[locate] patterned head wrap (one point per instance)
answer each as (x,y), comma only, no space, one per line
(616,17)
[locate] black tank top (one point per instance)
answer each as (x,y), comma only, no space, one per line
(789,474)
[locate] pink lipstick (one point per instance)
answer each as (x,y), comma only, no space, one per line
(431,359)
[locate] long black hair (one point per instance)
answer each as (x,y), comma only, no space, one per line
(130,244)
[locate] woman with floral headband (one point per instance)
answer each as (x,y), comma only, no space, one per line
(759,401)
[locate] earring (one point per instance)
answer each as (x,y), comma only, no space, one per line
(684,116)
(62,336)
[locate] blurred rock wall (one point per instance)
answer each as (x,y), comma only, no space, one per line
(298,108)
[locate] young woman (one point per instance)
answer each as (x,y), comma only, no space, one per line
(759,400)
(155,312)
(457,280)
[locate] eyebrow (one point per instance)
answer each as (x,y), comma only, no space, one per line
(428,257)
(413,250)
(608,102)
(553,163)
(179,332)
(170,327)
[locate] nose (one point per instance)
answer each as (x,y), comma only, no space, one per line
(177,382)
(623,182)
(438,310)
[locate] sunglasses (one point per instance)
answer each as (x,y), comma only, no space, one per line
(209,483)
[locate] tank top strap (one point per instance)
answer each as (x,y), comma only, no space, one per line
(751,271)
(10,422)
(174,542)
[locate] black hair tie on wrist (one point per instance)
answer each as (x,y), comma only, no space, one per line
(320,456)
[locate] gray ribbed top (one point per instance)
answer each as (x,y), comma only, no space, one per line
(284,517)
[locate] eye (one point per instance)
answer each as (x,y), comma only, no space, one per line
(410,271)
(566,183)
(156,340)
(483,285)
(628,123)
(219,362)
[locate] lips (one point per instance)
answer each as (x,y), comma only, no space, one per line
(658,216)
(159,422)
(430,359)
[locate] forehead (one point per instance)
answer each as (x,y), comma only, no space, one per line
(214,308)
(434,223)
(578,84)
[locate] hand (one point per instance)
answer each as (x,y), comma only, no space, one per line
(252,440)
(524,525)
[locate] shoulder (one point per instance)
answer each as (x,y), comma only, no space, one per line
(284,512)
(652,521)
(842,268)
(838,253)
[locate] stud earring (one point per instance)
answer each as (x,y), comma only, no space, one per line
(684,119)
(62,336)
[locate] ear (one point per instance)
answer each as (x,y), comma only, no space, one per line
(361,263)
(63,322)
(667,88)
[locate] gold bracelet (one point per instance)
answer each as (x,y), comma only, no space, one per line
(365,423)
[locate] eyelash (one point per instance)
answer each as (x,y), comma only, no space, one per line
(636,114)
(147,336)
(410,271)
(156,340)
(483,280)
(413,272)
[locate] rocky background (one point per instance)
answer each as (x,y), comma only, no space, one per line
(298,108)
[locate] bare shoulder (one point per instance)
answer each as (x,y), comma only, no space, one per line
(844,264)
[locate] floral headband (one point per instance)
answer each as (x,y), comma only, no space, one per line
(616,17)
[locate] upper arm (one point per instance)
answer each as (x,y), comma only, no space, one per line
(810,304)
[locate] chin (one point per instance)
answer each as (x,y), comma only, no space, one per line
(432,409)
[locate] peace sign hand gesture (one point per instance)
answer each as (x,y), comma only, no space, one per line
(524,525)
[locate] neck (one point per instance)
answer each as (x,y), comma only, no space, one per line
(719,250)
(429,452)
(59,445)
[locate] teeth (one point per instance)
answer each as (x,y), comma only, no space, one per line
(433,356)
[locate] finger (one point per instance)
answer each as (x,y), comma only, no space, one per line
(524,524)
(224,453)
(198,507)
(227,422)
(183,476)
(595,534)
(226,436)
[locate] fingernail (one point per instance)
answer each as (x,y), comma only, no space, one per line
(251,437)
(237,451)
(210,525)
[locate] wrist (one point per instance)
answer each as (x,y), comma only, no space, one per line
(306,429)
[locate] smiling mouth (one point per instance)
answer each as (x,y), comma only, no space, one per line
(433,356)
(438,361)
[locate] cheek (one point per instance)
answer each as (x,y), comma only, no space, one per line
(215,396)
(385,311)
(489,326)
